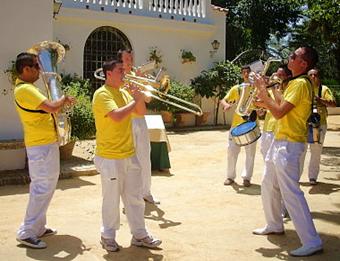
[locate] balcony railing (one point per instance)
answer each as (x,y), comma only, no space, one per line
(184,10)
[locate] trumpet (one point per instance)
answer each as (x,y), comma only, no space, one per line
(157,88)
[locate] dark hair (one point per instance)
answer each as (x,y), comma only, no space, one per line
(120,53)
(245,67)
(310,55)
(109,66)
(285,68)
(23,60)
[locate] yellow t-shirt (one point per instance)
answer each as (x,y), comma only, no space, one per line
(39,128)
(233,96)
(293,126)
(322,109)
(269,121)
(114,139)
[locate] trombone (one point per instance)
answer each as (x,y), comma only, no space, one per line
(157,88)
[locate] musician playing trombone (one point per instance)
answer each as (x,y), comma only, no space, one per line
(282,165)
(42,148)
(140,133)
(116,159)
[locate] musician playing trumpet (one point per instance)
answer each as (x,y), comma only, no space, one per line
(140,133)
(41,141)
(282,165)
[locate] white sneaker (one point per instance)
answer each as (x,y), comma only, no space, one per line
(150,199)
(306,251)
(109,244)
(148,242)
(32,242)
(266,231)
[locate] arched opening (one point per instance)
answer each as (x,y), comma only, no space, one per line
(102,45)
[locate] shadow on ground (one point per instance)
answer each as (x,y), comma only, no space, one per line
(253,190)
(60,247)
(153,212)
(322,188)
(290,241)
(134,253)
(64,184)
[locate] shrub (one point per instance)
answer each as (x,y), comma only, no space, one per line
(82,121)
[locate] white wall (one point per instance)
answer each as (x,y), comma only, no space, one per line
(22,24)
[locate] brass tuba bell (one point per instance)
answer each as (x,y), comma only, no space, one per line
(49,54)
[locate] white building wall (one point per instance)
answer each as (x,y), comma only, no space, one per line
(73,27)
(22,24)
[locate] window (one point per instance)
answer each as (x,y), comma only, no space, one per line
(102,45)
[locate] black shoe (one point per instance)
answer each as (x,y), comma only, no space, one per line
(32,242)
(49,232)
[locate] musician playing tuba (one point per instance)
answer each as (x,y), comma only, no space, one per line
(41,141)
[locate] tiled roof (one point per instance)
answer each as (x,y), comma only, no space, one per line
(221,9)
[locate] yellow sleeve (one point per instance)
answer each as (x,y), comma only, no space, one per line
(232,95)
(296,91)
(105,103)
(29,97)
(327,94)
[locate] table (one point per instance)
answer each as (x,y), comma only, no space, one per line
(160,145)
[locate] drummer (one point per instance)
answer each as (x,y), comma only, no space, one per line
(233,150)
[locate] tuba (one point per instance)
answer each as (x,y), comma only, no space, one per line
(49,54)
(248,90)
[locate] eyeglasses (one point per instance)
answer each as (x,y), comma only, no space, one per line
(292,56)
(36,66)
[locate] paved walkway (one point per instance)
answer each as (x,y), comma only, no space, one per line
(198,219)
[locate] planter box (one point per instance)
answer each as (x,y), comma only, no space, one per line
(66,150)
(333,111)
(185,119)
(203,119)
(12,155)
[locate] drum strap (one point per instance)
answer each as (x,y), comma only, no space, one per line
(28,110)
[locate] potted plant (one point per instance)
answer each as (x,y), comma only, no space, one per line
(82,121)
(155,55)
(187,56)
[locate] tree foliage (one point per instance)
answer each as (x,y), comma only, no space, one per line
(216,81)
(251,22)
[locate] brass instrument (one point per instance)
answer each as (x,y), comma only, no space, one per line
(248,90)
(157,88)
(49,54)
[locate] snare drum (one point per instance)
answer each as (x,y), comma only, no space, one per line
(246,133)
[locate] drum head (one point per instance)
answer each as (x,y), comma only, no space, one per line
(243,128)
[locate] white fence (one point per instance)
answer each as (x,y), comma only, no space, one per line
(184,10)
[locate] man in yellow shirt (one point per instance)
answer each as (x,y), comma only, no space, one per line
(42,148)
(233,96)
(282,166)
(140,135)
(115,158)
(324,98)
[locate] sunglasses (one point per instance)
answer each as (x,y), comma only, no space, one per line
(36,66)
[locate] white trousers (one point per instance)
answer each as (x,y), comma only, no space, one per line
(281,181)
(315,154)
(267,137)
(143,150)
(121,178)
(44,169)
(233,152)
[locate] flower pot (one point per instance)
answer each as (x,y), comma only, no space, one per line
(201,120)
(167,116)
(184,119)
(66,150)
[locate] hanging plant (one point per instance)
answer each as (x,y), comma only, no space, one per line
(187,56)
(11,73)
(155,55)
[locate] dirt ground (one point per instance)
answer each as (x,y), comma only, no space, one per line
(198,219)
